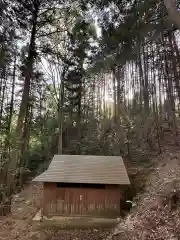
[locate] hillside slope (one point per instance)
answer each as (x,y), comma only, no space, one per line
(157,211)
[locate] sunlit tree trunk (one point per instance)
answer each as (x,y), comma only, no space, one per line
(114,95)
(145,82)
(2,91)
(176,76)
(61,117)
(170,91)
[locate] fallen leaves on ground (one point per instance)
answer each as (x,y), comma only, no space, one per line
(157,215)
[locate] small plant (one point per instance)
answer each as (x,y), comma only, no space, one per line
(133,204)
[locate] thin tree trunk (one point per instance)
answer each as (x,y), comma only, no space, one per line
(169,89)
(145,83)
(154,101)
(6,153)
(174,66)
(61,117)
(114,95)
(24,102)
(3,96)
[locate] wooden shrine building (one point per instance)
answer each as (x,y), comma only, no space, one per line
(83,186)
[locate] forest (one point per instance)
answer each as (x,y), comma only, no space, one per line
(86,77)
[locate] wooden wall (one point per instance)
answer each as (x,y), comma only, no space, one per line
(81,201)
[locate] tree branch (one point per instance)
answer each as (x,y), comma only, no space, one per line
(50,33)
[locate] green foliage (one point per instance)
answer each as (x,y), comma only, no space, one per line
(97,138)
(124,25)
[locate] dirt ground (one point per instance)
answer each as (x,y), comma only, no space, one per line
(18,225)
(157,211)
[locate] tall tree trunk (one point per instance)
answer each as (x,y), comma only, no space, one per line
(170,92)
(24,102)
(4,83)
(79,115)
(154,101)
(61,117)
(174,66)
(145,82)
(120,90)
(6,153)
(114,95)
(24,147)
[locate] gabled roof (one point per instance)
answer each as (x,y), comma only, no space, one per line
(85,169)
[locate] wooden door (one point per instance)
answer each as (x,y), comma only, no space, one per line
(71,201)
(60,201)
(77,201)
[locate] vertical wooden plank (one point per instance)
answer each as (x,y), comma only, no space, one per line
(68,202)
(86,204)
(75,202)
(58,209)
